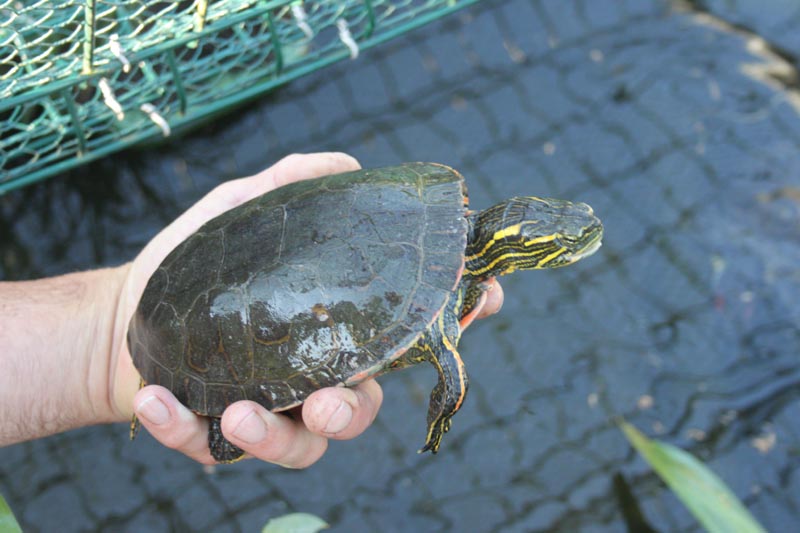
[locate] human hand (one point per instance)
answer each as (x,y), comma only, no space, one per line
(297,441)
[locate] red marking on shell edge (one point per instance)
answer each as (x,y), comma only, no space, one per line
(376,370)
(285,407)
(459,273)
(461,180)
(362,376)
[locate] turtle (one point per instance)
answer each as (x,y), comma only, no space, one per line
(335,280)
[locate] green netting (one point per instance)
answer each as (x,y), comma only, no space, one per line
(80,79)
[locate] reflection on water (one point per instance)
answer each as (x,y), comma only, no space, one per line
(685,322)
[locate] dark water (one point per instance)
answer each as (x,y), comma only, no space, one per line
(679,128)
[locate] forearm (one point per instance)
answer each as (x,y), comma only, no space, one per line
(56,335)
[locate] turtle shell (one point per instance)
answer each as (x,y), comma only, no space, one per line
(318,283)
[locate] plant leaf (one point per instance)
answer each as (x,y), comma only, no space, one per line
(705,495)
(295,523)
(8,524)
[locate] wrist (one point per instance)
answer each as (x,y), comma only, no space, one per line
(55,337)
(106,326)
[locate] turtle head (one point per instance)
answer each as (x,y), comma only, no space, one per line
(529,232)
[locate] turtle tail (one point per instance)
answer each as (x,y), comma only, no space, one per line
(135,424)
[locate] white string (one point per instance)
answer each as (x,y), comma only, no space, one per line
(109,99)
(301,18)
(347,38)
(116,49)
(159,121)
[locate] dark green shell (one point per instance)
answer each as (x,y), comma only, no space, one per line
(318,283)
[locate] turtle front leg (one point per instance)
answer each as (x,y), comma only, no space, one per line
(222,450)
(448,394)
(438,346)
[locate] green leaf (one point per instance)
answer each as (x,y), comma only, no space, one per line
(708,498)
(295,523)
(8,524)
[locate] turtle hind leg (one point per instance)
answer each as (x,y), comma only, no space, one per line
(222,450)
(447,396)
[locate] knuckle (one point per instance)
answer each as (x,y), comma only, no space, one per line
(370,398)
(311,456)
(292,159)
(278,444)
(176,435)
(345,160)
(174,440)
(228,189)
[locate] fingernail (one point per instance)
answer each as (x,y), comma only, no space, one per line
(252,429)
(340,418)
(153,410)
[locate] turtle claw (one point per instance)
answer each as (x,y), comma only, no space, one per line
(429,447)
(436,431)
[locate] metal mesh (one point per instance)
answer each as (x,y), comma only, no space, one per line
(82,79)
